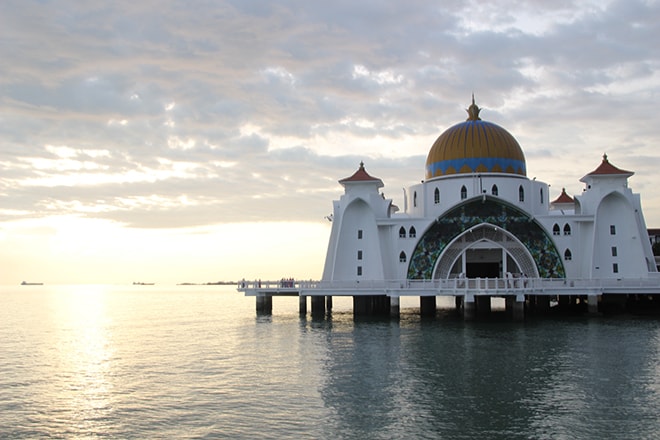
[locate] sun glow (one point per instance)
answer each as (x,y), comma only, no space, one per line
(72,249)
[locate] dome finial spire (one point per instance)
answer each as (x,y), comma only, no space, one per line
(473,111)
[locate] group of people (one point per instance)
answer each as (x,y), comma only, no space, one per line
(287,282)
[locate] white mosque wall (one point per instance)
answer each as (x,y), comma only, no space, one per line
(436,196)
(367,243)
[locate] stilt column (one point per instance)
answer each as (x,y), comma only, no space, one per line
(302,304)
(592,304)
(469,308)
(458,300)
(264,304)
(318,305)
(371,305)
(395,309)
(518,310)
(542,304)
(483,305)
(427,305)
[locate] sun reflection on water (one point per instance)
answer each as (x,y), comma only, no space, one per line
(85,352)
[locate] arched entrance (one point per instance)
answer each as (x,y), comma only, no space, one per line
(522,237)
(485,251)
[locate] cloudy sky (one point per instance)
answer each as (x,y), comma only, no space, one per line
(193,141)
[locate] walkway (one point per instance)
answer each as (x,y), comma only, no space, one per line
(455,287)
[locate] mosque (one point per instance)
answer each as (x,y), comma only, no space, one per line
(478,228)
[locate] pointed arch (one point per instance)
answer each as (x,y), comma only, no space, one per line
(480,237)
(492,211)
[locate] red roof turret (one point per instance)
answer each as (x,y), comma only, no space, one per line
(360,175)
(606,168)
(563,198)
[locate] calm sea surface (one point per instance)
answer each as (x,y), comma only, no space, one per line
(196,362)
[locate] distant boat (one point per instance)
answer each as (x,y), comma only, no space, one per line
(137,283)
(25,283)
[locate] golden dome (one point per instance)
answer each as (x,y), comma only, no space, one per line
(475,146)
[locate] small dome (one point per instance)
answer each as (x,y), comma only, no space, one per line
(475,146)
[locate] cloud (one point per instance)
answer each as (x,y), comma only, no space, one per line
(164,114)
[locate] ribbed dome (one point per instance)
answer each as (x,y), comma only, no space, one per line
(475,146)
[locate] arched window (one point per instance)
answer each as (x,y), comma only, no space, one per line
(555,229)
(463,193)
(402,232)
(541,194)
(494,191)
(415,199)
(567,229)
(567,255)
(436,196)
(521,194)
(402,257)
(413,232)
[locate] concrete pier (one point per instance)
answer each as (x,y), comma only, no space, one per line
(302,304)
(458,301)
(538,304)
(483,305)
(515,307)
(469,308)
(395,308)
(472,297)
(613,304)
(427,305)
(318,306)
(264,304)
(371,305)
(592,304)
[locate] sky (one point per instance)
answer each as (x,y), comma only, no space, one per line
(196,141)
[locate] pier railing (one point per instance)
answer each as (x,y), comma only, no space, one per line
(455,287)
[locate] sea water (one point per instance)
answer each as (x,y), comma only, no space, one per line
(197,362)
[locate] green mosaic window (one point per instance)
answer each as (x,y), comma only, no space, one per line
(475,212)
